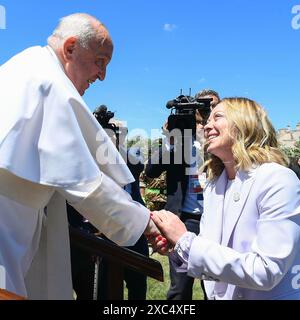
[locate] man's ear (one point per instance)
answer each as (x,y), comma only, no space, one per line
(69,48)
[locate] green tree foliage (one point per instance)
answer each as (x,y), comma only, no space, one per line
(292,152)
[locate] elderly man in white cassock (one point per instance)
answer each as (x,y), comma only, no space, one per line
(48,151)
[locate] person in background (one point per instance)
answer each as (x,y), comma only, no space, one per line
(295,165)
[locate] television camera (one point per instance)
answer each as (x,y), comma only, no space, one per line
(183,112)
(103,116)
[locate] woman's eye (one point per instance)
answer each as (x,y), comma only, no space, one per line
(218,115)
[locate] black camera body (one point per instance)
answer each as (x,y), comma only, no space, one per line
(183,112)
(103,116)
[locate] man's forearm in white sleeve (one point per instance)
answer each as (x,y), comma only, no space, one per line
(110,209)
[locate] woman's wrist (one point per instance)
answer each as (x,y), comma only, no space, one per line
(183,245)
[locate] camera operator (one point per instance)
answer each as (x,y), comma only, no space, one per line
(184,192)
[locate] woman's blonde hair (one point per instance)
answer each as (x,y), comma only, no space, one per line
(254,137)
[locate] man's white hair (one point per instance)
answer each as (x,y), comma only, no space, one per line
(79,25)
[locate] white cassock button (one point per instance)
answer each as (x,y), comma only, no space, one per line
(236,196)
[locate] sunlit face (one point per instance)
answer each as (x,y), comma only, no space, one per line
(88,65)
(217,134)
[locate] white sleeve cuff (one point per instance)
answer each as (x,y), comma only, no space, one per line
(183,245)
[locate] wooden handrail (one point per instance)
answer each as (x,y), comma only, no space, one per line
(114,253)
(117,259)
(6,295)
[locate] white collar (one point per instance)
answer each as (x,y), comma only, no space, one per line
(52,52)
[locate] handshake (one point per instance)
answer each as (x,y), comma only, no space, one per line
(164,230)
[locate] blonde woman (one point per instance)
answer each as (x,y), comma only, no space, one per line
(248,247)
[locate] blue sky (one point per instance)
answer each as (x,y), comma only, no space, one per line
(237,47)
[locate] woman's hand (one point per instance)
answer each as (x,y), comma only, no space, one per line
(171,227)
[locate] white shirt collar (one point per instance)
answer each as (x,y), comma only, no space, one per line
(52,52)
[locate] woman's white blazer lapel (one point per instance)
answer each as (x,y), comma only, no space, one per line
(241,190)
(212,218)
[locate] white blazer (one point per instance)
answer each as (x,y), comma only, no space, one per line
(255,253)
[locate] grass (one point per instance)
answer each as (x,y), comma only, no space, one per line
(158,290)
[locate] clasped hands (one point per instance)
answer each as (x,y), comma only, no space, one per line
(164,230)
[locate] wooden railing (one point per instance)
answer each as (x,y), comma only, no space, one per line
(117,258)
(6,295)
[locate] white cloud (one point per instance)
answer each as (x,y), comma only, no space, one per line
(201,80)
(169,27)
(2,17)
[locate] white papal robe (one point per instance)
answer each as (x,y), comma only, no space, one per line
(49,143)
